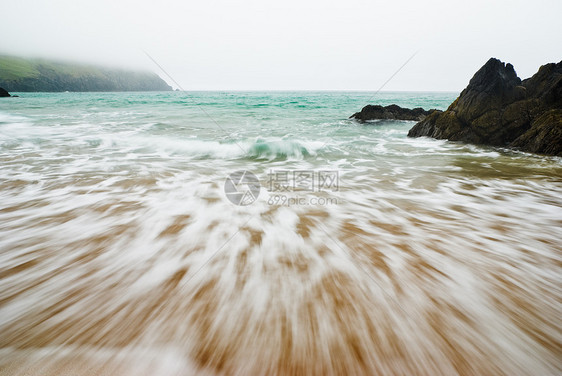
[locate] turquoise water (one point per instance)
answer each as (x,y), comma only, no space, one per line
(121,252)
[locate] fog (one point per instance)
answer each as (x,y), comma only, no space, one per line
(291,45)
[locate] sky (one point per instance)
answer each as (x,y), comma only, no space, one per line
(291,44)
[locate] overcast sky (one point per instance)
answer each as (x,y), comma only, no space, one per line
(291,44)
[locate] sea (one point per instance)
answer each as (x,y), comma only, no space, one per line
(266,233)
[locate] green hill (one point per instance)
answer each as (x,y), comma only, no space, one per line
(19,74)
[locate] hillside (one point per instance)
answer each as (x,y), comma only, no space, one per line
(19,74)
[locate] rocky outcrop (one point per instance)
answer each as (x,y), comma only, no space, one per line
(4,93)
(392,112)
(499,109)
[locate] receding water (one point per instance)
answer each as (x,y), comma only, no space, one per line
(120,253)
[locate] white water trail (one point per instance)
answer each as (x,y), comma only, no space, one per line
(121,255)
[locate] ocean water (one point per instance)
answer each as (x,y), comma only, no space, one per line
(359,250)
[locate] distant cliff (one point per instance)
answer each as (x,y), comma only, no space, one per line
(497,108)
(18,74)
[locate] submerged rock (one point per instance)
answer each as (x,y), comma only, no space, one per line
(4,93)
(392,112)
(499,109)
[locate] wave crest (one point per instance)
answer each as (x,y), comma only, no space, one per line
(278,150)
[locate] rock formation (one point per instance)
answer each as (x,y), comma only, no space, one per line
(499,109)
(4,93)
(392,112)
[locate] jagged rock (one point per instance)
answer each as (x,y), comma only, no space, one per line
(4,93)
(392,112)
(499,109)
(545,135)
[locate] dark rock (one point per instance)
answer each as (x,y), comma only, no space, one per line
(499,109)
(545,136)
(392,112)
(4,93)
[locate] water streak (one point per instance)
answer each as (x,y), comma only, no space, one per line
(438,258)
